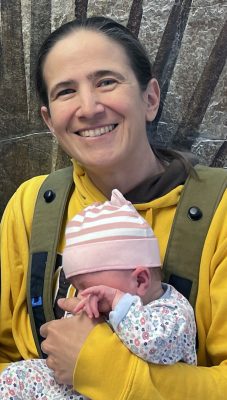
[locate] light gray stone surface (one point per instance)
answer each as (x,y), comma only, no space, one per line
(204,25)
(118,10)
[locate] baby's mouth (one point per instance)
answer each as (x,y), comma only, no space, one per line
(97,131)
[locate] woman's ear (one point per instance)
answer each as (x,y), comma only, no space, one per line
(47,118)
(152,99)
(142,277)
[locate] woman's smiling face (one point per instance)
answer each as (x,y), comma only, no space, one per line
(96,108)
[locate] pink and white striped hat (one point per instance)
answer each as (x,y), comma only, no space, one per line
(109,236)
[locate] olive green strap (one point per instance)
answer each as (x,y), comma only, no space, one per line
(46,228)
(197,205)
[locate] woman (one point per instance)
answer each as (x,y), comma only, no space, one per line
(98,95)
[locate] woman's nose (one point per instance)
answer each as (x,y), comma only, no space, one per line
(89,105)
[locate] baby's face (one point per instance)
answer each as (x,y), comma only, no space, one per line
(121,280)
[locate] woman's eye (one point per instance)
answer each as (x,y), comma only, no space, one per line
(107,82)
(65,92)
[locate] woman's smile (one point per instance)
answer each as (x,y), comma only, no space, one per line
(96,131)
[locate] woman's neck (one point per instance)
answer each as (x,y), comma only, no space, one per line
(125,177)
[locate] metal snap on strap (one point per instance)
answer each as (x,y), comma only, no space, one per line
(49,196)
(195,213)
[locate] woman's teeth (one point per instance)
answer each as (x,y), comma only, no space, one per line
(97,131)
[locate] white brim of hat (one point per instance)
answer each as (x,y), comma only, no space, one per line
(111,255)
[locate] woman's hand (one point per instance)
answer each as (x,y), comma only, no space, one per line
(64,339)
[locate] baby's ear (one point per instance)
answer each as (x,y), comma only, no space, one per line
(142,277)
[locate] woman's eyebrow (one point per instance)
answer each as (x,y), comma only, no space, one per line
(105,72)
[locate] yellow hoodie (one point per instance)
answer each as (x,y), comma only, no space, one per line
(106,370)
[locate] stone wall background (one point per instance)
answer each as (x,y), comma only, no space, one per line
(187,41)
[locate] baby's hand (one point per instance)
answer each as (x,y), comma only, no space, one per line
(98,299)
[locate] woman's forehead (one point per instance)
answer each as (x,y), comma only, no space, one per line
(85,42)
(85,49)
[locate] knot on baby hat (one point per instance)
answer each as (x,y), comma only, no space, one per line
(109,236)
